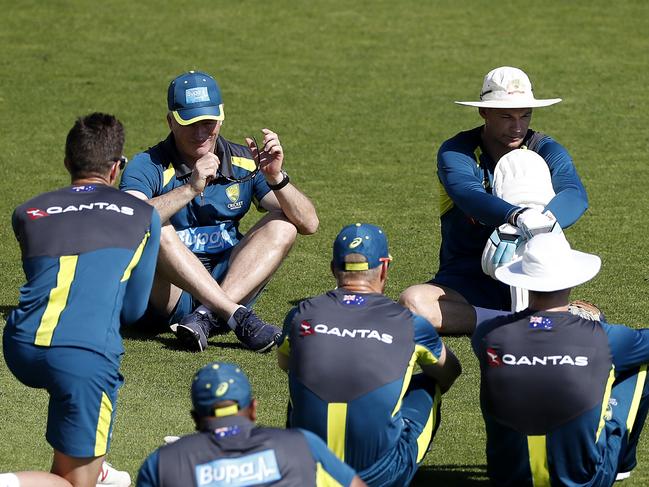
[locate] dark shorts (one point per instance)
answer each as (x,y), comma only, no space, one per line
(217,266)
(420,409)
(83,389)
(478,289)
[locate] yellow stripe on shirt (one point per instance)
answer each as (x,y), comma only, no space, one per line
(169,173)
(136,258)
(336,428)
(637,395)
(57,301)
(536,446)
(324,478)
(244,162)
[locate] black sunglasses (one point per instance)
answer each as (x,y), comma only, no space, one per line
(122,162)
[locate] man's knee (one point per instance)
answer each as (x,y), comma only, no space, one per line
(420,298)
(282,233)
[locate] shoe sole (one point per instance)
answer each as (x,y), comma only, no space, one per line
(190,339)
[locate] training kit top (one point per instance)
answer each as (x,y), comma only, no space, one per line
(232,451)
(89,255)
(209,224)
(545,394)
(468,210)
(351,358)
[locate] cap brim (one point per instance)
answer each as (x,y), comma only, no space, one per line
(583,267)
(510,103)
(193,115)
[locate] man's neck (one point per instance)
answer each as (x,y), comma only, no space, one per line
(555,301)
(99,180)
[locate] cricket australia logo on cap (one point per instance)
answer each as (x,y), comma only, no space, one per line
(197,95)
(255,469)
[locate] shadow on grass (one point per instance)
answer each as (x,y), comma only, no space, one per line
(168,340)
(5,310)
(451,476)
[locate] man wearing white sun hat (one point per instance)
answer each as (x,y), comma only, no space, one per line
(564,398)
(460,294)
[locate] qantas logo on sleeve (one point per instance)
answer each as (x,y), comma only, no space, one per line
(35,213)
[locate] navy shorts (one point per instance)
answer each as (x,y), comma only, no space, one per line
(420,410)
(478,289)
(83,389)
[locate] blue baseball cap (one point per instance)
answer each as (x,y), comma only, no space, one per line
(195,96)
(220,381)
(361,238)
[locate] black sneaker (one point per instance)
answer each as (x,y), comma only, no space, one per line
(195,328)
(255,333)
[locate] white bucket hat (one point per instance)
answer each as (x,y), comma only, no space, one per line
(549,264)
(508,87)
(522,178)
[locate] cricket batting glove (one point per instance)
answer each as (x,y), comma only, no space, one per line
(532,222)
(501,248)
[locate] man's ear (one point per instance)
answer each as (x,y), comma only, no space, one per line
(252,410)
(483,112)
(169,119)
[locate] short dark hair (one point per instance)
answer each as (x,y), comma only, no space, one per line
(93,144)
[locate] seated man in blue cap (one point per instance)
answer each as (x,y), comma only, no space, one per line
(564,398)
(229,449)
(208,273)
(350,356)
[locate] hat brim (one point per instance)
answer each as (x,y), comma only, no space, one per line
(193,115)
(511,103)
(582,268)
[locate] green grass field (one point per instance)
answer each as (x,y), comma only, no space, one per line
(361,94)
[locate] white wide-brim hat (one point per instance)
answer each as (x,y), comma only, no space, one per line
(522,177)
(508,87)
(549,264)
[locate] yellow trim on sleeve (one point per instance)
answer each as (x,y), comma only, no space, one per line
(607,396)
(423,440)
(637,395)
(324,478)
(445,201)
(136,258)
(103,425)
(425,356)
(406,381)
(244,162)
(285,347)
(536,446)
(57,301)
(336,428)
(169,173)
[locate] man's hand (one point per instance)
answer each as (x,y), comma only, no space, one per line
(204,171)
(270,156)
(532,222)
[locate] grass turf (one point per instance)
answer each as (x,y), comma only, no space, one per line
(360,94)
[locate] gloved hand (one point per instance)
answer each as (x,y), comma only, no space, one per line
(532,222)
(500,248)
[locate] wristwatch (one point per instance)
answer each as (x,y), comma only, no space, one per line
(285,180)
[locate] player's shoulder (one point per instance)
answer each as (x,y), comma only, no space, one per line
(463,142)
(160,155)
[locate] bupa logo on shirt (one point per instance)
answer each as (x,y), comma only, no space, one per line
(255,469)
